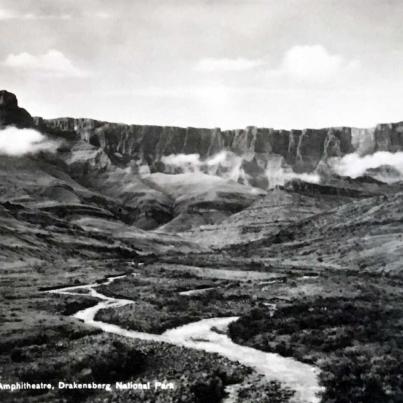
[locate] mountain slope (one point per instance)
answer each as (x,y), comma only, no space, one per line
(117,180)
(285,205)
(361,235)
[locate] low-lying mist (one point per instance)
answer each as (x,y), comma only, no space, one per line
(224,164)
(18,142)
(274,171)
(354,165)
(243,169)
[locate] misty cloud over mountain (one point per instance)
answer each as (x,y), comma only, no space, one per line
(228,165)
(17,142)
(354,165)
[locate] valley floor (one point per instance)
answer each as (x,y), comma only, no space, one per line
(347,324)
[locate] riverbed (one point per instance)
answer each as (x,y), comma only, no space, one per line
(201,335)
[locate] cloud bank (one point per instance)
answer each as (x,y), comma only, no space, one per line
(224,164)
(228,165)
(18,142)
(354,165)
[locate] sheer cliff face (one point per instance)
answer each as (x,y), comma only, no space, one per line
(11,113)
(301,150)
(248,156)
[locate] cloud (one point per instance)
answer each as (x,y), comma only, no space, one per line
(17,142)
(53,63)
(354,165)
(186,162)
(12,15)
(314,63)
(209,65)
(228,165)
(300,62)
(32,16)
(103,15)
(6,14)
(278,173)
(224,164)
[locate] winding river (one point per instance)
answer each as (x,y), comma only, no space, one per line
(200,335)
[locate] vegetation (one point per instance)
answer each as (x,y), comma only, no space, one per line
(159,306)
(356,340)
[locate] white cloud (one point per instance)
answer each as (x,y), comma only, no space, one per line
(187,162)
(355,165)
(103,15)
(209,65)
(314,63)
(53,62)
(228,165)
(307,63)
(12,15)
(226,162)
(32,16)
(17,142)
(6,14)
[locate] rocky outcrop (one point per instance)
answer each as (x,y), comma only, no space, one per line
(11,113)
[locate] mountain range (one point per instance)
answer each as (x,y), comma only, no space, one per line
(109,187)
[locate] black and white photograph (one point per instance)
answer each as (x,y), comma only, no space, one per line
(201,201)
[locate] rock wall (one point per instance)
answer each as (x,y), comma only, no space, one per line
(301,149)
(11,113)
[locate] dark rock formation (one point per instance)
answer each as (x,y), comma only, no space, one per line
(301,149)
(11,113)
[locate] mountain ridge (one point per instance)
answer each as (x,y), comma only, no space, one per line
(252,151)
(301,149)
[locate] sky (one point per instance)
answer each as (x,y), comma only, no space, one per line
(206,63)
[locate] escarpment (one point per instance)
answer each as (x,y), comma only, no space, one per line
(177,179)
(301,150)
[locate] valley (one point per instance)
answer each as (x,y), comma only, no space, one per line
(239,265)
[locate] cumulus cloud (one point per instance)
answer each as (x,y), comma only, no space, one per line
(354,165)
(300,62)
(314,63)
(221,65)
(53,62)
(17,142)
